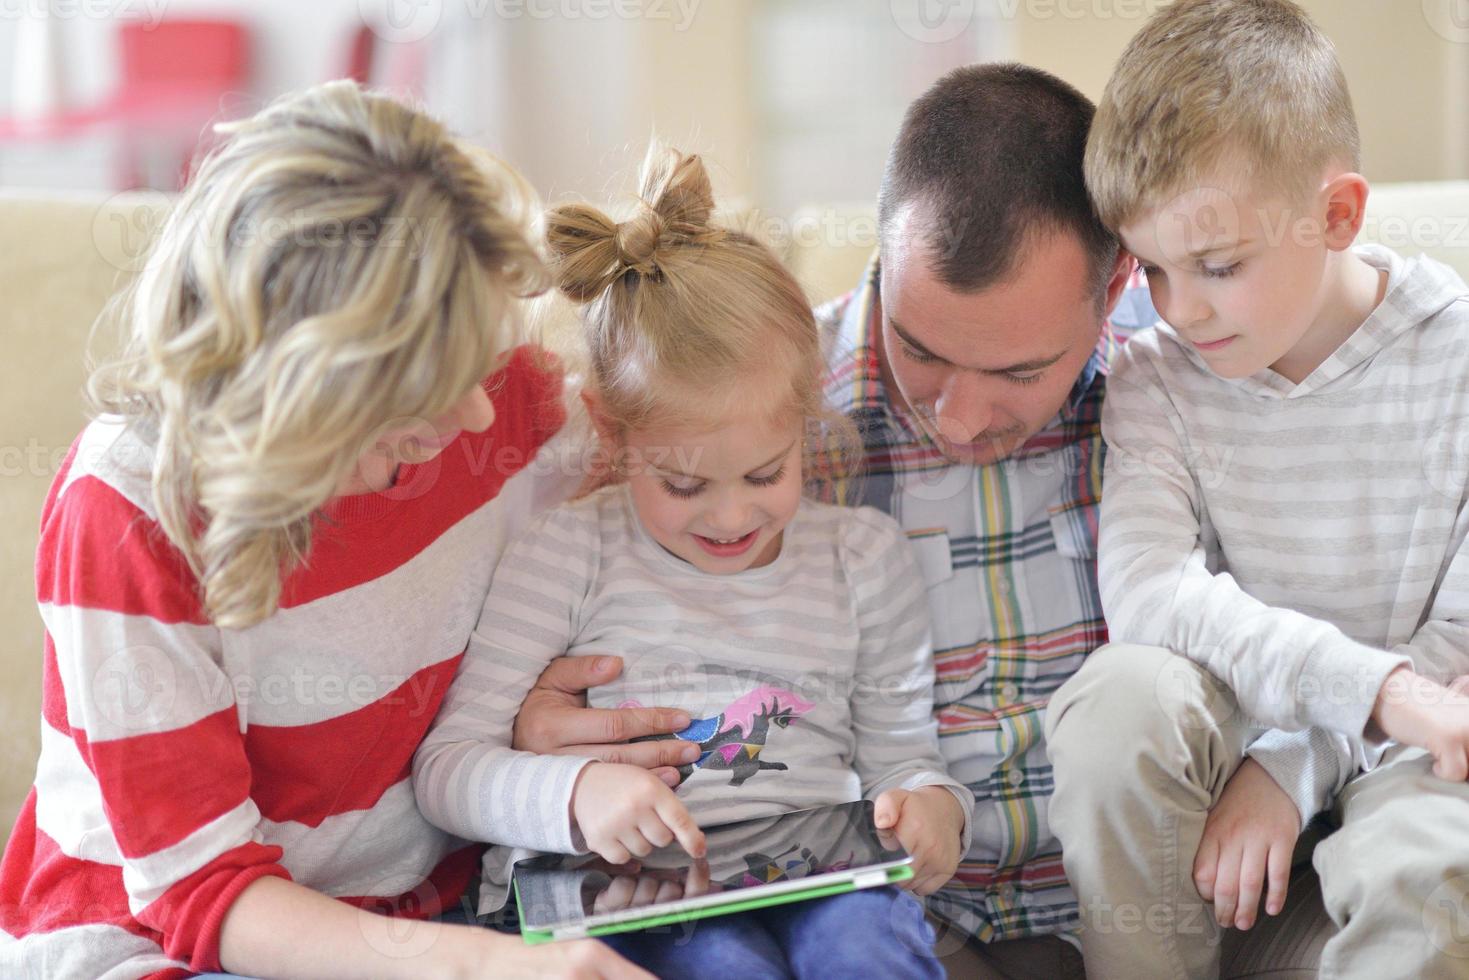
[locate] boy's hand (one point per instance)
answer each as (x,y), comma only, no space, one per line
(1414,710)
(625,812)
(1248,840)
(928,822)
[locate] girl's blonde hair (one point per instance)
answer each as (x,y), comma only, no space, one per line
(687,321)
(338,263)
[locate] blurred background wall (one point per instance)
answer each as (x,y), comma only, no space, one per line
(792,101)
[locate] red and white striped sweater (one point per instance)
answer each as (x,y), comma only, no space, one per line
(180,762)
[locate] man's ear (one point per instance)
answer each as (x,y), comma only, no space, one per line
(1346,209)
(1122,270)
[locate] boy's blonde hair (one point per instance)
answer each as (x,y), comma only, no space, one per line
(338,263)
(686,321)
(1248,91)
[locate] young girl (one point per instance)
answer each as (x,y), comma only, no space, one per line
(260,564)
(793,634)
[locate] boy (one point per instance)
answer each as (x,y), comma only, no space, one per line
(1281,511)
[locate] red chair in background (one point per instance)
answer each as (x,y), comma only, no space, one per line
(173,79)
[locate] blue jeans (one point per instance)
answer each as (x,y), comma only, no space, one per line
(877,932)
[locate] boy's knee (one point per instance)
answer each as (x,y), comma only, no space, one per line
(1133,702)
(1426,820)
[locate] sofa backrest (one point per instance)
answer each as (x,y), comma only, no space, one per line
(67,255)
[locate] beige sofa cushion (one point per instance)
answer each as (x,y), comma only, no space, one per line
(64,256)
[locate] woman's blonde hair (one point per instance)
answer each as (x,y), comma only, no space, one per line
(337,263)
(687,321)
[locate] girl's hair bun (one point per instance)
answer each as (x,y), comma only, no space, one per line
(590,252)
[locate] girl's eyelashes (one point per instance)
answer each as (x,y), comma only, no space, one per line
(768,481)
(1024,379)
(1222,273)
(684,493)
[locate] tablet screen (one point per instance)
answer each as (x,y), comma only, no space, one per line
(773,854)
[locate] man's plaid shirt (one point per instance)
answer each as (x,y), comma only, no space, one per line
(1008,551)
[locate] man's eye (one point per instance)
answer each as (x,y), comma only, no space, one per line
(914,354)
(1025,379)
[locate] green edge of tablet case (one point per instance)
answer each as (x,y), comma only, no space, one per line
(536,937)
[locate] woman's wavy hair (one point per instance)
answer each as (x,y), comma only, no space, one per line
(338,262)
(687,321)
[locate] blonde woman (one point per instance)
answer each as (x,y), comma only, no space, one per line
(261,563)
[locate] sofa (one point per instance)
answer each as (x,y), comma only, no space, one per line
(66,255)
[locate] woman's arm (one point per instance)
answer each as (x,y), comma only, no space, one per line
(278,928)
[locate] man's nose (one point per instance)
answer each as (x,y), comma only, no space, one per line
(964,409)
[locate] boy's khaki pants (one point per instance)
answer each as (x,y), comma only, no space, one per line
(1143,741)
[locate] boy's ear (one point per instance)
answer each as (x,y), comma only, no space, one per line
(1346,209)
(606,431)
(1122,271)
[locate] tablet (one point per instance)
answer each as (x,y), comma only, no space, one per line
(748,865)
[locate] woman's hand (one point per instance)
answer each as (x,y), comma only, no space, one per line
(625,812)
(480,954)
(1248,840)
(555,720)
(929,823)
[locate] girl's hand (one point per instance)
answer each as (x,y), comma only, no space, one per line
(625,812)
(929,823)
(1246,848)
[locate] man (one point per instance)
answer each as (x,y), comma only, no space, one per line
(973,358)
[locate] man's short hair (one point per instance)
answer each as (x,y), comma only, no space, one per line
(1215,90)
(992,154)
